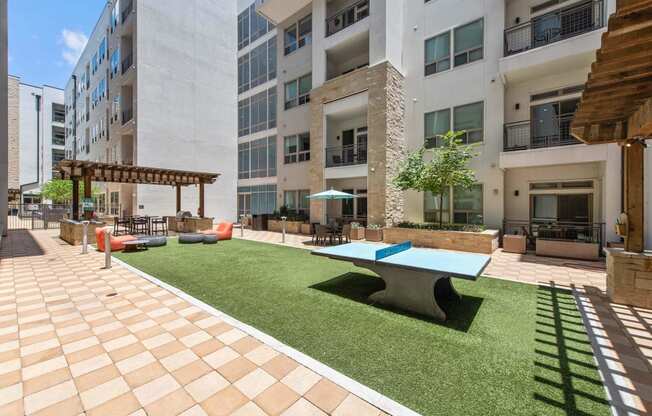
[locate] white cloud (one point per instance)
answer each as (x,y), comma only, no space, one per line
(73,45)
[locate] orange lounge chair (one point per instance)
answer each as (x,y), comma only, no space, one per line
(117,243)
(223,230)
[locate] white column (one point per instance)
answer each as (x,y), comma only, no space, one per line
(612,190)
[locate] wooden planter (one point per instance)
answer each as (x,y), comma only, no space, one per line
(291,227)
(515,244)
(357,233)
(568,249)
(374,234)
(306,229)
(485,242)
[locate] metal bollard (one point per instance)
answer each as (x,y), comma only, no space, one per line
(85,237)
(242,218)
(284,219)
(107,249)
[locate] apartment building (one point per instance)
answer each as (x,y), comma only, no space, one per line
(361,82)
(156,87)
(36,138)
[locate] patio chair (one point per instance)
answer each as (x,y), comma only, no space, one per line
(346,233)
(117,242)
(159,225)
(141,225)
(121,226)
(323,233)
(313,231)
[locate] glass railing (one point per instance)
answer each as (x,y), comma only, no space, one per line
(555,26)
(347,17)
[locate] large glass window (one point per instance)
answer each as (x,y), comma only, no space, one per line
(243,161)
(298,35)
(432,207)
(115,62)
(257,200)
(243,117)
(469,41)
(271,156)
(94,63)
(258,62)
(271,104)
(469,118)
(243,74)
(297,201)
(437,123)
(297,92)
(259,158)
(102,50)
(259,112)
(566,208)
(258,23)
(243,29)
(297,148)
(467,205)
(271,58)
(438,54)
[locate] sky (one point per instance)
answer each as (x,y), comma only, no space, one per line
(47,36)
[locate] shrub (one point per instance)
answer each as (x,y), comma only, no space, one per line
(443,227)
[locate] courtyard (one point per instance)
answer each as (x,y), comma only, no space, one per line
(247,327)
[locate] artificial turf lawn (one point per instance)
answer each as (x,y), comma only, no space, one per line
(508,348)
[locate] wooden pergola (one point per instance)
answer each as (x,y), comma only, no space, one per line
(88,172)
(616,105)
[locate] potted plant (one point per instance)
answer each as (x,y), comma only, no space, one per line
(374,232)
(357,231)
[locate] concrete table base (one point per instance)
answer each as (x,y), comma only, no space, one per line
(411,290)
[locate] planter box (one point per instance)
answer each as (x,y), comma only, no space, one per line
(306,229)
(515,244)
(72,232)
(568,249)
(374,234)
(357,233)
(291,227)
(485,242)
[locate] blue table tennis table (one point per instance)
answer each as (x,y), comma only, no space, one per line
(415,278)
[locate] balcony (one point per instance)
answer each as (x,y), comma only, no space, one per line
(127,116)
(518,135)
(346,17)
(127,63)
(556,26)
(280,10)
(349,155)
(126,11)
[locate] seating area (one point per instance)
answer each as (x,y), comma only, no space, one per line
(330,234)
(140,225)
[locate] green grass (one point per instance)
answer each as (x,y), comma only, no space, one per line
(509,348)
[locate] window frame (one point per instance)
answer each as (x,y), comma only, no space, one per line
(467,52)
(300,99)
(437,62)
(466,134)
(452,55)
(298,155)
(427,140)
(449,210)
(299,40)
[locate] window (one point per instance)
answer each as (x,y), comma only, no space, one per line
(243,117)
(243,29)
(115,16)
(297,148)
(467,205)
(259,158)
(243,74)
(94,63)
(243,161)
(57,156)
(438,54)
(298,35)
(271,105)
(271,156)
(566,208)
(258,64)
(437,123)
(115,62)
(258,24)
(469,41)
(297,92)
(259,112)
(58,136)
(102,50)
(271,58)
(257,199)
(115,203)
(297,201)
(469,118)
(432,207)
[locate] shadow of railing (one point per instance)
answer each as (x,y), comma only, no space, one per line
(358,288)
(566,375)
(20,243)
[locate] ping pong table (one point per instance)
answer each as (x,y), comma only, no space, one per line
(415,278)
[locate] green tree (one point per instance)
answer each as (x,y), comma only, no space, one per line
(448,167)
(59,191)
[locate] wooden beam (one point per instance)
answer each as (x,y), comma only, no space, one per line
(201,200)
(88,193)
(75,199)
(640,123)
(178,198)
(634,196)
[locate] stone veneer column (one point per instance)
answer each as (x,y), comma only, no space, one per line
(629,277)
(386,145)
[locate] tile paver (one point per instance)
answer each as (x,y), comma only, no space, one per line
(66,348)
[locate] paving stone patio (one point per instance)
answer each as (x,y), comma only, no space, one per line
(77,339)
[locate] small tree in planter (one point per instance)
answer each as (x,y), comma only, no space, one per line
(374,232)
(447,168)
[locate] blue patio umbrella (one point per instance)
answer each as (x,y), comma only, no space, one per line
(331,195)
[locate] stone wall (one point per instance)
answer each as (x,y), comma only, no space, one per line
(13,97)
(386,144)
(629,277)
(485,242)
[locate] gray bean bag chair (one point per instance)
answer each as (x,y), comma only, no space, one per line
(191,238)
(210,239)
(156,241)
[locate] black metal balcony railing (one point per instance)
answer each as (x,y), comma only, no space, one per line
(348,155)
(127,63)
(127,116)
(518,136)
(554,27)
(347,17)
(126,11)
(580,232)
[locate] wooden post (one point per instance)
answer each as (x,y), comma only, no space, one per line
(88,193)
(634,196)
(178,198)
(75,199)
(201,200)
